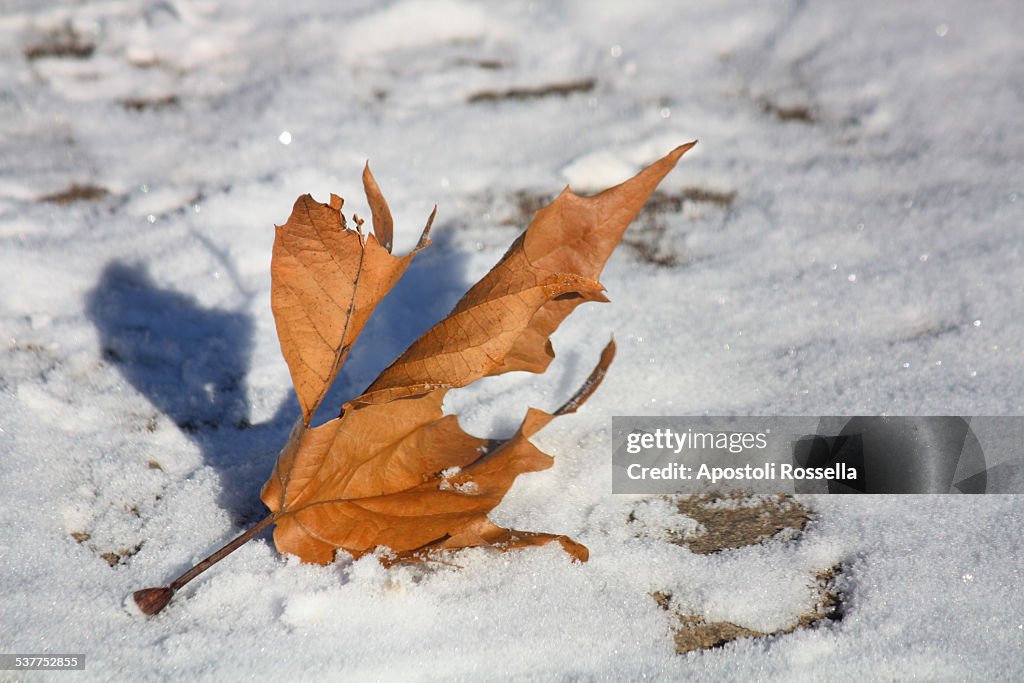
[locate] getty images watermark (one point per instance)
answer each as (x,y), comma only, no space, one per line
(944,454)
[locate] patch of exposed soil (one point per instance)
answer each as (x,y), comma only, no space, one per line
(693,632)
(562,89)
(76,193)
(737,520)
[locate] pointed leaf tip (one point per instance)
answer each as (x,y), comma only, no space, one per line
(592,382)
(383,224)
(679,151)
(425,236)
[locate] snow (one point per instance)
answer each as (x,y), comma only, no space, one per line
(870,262)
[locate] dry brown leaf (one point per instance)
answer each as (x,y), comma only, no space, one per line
(326,280)
(393,470)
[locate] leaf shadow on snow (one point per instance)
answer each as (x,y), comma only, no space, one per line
(191,362)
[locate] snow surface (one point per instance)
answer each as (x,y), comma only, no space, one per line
(870,262)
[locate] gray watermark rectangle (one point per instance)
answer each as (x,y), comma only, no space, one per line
(41,662)
(852,454)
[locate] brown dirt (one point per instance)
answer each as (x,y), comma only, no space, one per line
(744,521)
(115,558)
(693,632)
(148,103)
(532,93)
(62,43)
(797,112)
(76,193)
(649,238)
(740,525)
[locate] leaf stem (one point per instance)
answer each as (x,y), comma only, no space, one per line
(152,600)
